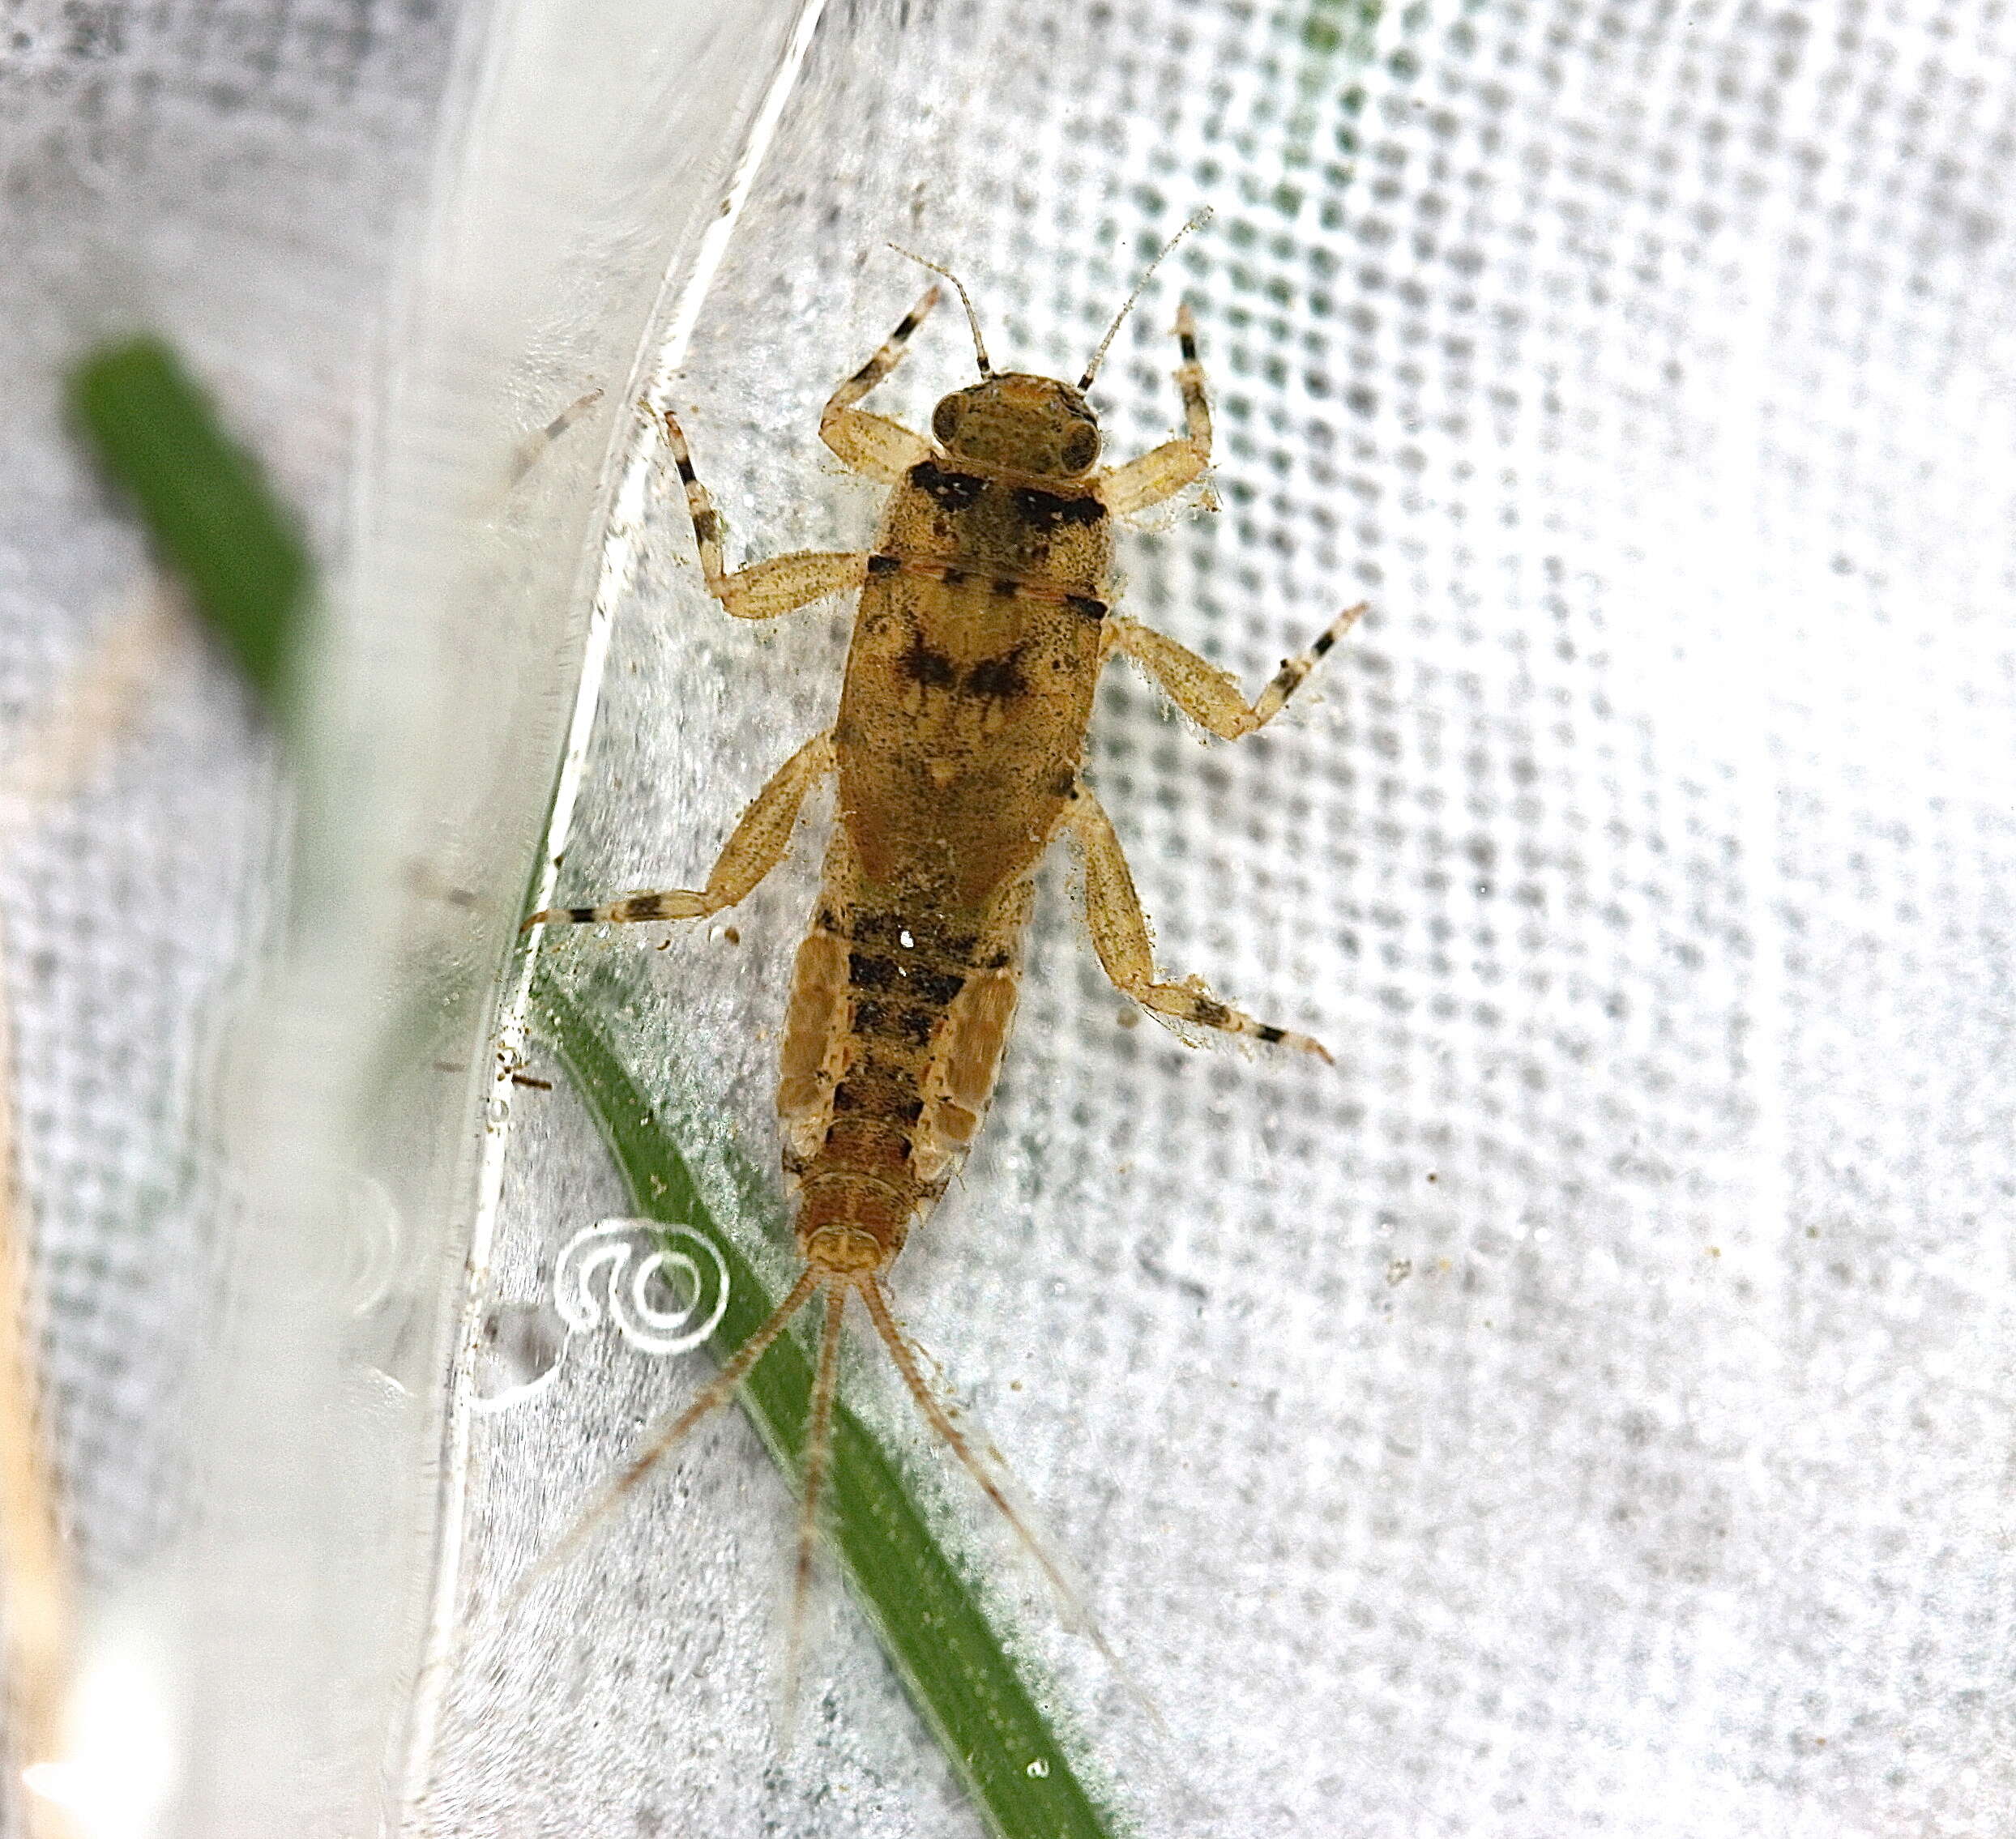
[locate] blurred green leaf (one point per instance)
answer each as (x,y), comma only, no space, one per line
(205,501)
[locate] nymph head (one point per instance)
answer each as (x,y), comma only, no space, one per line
(1033,424)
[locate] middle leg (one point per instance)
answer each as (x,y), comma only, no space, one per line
(1120,935)
(1209,697)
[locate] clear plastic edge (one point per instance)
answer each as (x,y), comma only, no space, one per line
(585,151)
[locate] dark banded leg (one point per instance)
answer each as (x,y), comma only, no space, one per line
(1209,697)
(764,590)
(1189,379)
(532,449)
(755,846)
(1165,471)
(872,444)
(1120,935)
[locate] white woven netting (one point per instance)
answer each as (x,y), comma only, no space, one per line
(1578,1411)
(1584,1408)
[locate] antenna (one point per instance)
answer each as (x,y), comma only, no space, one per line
(972,319)
(1098,356)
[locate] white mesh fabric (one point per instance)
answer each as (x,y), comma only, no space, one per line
(1646,860)
(1578,1411)
(228,177)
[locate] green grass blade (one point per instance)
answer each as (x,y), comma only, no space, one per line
(953,1661)
(204,500)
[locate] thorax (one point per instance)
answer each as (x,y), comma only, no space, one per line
(1054,532)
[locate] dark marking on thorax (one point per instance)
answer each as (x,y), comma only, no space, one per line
(949,491)
(932,669)
(1046,510)
(1000,679)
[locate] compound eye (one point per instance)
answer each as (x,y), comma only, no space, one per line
(1081,448)
(946,416)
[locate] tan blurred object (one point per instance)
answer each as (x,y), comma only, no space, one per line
(57,758)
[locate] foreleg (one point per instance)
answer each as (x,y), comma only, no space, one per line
(872,444)
(1165,471)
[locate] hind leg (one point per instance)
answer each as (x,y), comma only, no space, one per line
(1120,934)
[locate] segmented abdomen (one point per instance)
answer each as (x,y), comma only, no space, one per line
(895,1036)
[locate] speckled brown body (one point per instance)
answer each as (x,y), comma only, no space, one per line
(982,627)
(961,723)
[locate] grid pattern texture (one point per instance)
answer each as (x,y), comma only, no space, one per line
(1580,1412)
(229,175)
(1584,1410)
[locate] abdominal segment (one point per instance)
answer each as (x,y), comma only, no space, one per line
(897,1025)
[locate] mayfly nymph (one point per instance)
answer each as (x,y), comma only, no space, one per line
(985,620)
